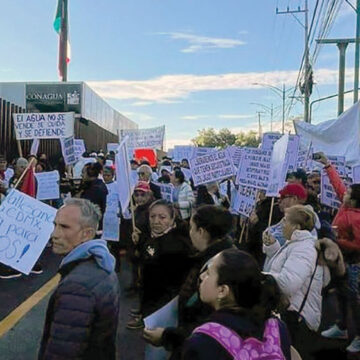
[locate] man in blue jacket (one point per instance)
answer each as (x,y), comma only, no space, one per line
(82,315)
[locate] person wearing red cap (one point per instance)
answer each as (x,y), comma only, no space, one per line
(290,195)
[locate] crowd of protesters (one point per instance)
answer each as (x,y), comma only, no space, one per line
(248,287)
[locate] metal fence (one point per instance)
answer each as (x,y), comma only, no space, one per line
(95,137)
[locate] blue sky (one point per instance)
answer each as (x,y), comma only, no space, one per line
(188,64)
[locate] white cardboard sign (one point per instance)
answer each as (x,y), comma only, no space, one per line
(25,227)
(47,185)
(43,125)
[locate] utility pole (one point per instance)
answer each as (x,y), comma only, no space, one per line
(307,87)
(357,46)
(342,45)
(259,117)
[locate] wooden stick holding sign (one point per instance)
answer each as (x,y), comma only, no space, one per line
(271,211)
(307,156)
(132,205)
(244,225)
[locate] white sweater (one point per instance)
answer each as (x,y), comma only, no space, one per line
(292,266)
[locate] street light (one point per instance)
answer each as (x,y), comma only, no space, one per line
(268,109)
(281,93)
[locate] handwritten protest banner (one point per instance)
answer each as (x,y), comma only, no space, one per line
(25,227)
(79,166)
(167,191)
(143,138)
(47,185)
(235,152)
(328,196)
(269,140)
(278,166)
(34,147)
(187,173)
(356,174)
(339,163)
(79,146)
(112,147)
(68,150)
(254,169)
(214,166)
(43,125)
(111,220)
(183,152)
(200,151)
(245,200)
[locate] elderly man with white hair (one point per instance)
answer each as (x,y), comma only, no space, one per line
(82,315)
(145,173)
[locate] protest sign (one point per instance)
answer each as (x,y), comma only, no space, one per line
(356,174)
(167,191)
(79,166)
(212,167)
(235,152)
(245,200)
(254,169)
(111,220)
(200,151)
(269,140)
(47,185)
(167,316)
(79,147)
(328,196)
(339,163)
(143,138)
(34,147)
(112,147)
(43,125)
(183,152)
(278,166)
(125,185)
(68,150)
(187,173)
(25,227)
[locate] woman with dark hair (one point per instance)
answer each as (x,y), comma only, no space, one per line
(92,188)
(347,225)
(183,195)
(209,229)
(164,257)
(242,326)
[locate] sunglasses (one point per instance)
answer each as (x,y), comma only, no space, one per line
(140,194)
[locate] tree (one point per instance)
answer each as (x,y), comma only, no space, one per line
(250,139)
(206,137)
(223,138)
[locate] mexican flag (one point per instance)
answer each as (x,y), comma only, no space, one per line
(61,27)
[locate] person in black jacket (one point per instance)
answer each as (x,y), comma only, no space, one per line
(82,315)
(243,299)
(209,227)
(164,257)
(92,188)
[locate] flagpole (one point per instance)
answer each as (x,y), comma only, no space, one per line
(64,39)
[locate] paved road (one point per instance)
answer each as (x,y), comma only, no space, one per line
(22,341)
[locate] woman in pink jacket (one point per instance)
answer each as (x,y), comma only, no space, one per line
(347,224)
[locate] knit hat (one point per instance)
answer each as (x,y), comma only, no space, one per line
(142,186)
(294,190)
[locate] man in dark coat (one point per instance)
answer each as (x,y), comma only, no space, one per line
(82,315)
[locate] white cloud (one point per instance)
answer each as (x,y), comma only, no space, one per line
(138,117)
(169,88)
(142,103)
(198,43)
(235,116)
(194,117)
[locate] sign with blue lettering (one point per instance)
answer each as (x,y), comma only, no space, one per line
(25,227)
(43,125)
(47,185)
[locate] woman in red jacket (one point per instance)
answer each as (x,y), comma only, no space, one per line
(347,224)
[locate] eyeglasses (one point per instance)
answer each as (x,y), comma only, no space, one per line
(141,173)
